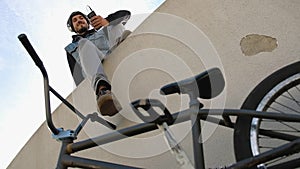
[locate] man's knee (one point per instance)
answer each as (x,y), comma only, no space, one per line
(83,42)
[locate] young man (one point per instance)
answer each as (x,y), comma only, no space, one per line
(90,47)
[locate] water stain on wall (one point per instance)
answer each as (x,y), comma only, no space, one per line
(253,44)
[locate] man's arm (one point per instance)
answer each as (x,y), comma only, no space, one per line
(121,16)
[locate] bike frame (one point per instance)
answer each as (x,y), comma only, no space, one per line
(68,147)
(194,114)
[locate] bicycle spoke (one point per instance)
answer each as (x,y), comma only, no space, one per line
(274,161)
(287,164)
(278,135)
(292,97)
(283,105)
(277,93)
(288,127)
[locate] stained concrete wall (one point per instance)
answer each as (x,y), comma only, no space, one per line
(247,40)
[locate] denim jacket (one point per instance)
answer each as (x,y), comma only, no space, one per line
(99,38)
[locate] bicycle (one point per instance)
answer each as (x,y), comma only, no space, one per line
(252,120)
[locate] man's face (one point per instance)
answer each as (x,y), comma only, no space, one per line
(80,24)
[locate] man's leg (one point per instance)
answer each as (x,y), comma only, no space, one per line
(91,61)
(116,34)
(90,58)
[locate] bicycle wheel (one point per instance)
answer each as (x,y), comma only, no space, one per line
(279,92)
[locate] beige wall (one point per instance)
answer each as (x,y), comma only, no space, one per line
(180,39)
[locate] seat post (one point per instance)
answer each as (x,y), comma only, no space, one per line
(195,105)
(205,85)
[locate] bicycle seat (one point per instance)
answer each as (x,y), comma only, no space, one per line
(205,85)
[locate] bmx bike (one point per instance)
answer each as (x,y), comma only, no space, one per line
(266,129)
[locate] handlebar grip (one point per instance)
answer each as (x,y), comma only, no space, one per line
(24,40)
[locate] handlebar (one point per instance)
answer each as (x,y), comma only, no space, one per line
(24,40)
(47,88)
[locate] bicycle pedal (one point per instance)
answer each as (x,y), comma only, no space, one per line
(146,110)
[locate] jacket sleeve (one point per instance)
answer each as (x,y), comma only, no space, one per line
(121,16)
(75,69)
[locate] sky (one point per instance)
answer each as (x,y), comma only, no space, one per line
(22,108)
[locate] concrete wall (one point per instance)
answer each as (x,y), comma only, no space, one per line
(247,40)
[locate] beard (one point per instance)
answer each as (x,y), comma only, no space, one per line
(82,30)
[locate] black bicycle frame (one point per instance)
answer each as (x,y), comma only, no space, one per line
(194,113)
(182,116)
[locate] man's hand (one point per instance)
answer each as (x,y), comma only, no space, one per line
(97,22)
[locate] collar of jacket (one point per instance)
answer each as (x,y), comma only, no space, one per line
(77,37)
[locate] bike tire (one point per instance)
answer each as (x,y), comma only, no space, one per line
(265,95)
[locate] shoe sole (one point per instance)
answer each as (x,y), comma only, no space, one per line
(108,107)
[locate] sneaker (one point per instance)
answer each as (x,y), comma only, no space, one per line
(108,105)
